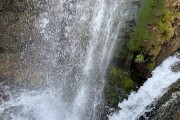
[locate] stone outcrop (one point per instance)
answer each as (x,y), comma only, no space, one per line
(168,107)
(17,32)
(147,41)
(155,36)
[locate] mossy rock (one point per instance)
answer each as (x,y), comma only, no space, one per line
(115,76)
(129,85)
(119,86)
(120,78)
(155,26)
(111,96)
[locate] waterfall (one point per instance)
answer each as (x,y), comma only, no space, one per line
(63,70)
(150,92)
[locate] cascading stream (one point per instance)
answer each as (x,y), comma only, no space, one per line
(68,61)
(149,93)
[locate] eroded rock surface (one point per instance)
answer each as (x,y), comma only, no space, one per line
(168,107)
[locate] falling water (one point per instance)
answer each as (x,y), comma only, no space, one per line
(66,63)
(150,92)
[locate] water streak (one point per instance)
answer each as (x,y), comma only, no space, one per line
(67,61)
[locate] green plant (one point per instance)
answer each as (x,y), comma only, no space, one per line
(139,58)
(128,84)
(111,95)
(115,75)
(151,65)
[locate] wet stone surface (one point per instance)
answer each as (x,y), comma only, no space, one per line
(176,67)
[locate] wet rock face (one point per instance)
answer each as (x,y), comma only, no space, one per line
(156,35)
(176,67)
(17,32)
(3,96)
(17,17)
(22,5)
(168,107)
(171,46)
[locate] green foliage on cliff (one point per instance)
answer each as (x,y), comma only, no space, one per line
(115,76)
(141,33)
(151,65)
(119,80)
(153,27)
(128,85)
(111,95)
(139,58)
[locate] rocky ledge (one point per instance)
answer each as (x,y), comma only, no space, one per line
(149,40)
(168,107)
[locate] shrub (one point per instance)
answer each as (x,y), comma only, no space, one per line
(139,58)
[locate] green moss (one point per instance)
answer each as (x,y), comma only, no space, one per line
(153,28)
(119,80)
(128,85)
(111,95)
(119,77)
(121,49)
(151,65)
(164,24)
(139,58)
(116,72)
(154,21)
(141,33)
(115,75)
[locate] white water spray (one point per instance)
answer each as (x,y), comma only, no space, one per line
(67,61)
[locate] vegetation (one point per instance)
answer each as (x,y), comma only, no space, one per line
(139,58)
(119,83)
(111,95)
(141,46)
(153,27)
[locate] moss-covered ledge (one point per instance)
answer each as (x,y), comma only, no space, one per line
(119,86)
(156,25)
(153,37)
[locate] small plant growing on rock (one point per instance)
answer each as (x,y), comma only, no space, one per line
(139,58)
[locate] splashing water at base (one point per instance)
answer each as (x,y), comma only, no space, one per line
(152,90)
(38,105)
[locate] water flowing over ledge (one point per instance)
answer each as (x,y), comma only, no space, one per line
(151,91)
(67,61)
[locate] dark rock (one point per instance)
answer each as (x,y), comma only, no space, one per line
(3,95)
(137,2)
(168,107)
(176,67)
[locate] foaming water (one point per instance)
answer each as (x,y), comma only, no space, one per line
(151,91)
(67,60)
